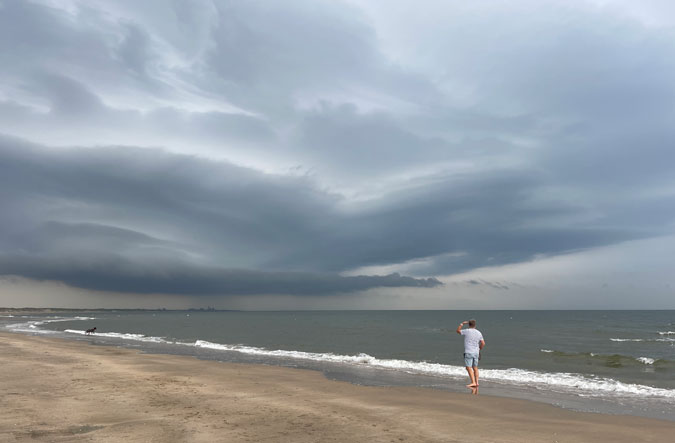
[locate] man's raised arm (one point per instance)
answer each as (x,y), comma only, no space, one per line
(459,328)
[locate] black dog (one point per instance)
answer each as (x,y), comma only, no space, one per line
(90,331)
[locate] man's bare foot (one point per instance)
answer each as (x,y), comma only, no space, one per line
(472,385)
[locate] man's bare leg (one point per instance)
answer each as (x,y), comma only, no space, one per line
(475,375)
(471,376)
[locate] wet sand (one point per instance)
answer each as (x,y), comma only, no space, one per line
(55,390)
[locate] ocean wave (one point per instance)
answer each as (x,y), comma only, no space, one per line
(666,339)
(32,325)
(60,319)
(666,332)
(607,360)
(28,327)
(123,336)
(580,384)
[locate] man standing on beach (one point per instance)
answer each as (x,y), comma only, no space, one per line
(473,343)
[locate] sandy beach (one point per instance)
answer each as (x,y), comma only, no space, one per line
(66,391)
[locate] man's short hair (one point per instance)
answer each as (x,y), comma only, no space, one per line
(472,323)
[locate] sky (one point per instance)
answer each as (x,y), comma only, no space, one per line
(375,154)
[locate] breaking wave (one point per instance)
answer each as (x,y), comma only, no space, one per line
(123,336)
(667,339)
(32,325)
(579,384)
(610,361)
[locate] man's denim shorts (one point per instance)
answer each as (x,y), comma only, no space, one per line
(470,360)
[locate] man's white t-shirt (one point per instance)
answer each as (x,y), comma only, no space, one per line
(472,338)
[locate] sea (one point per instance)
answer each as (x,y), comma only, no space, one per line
(615,362)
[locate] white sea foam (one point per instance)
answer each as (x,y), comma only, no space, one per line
(60,319)
(124,336)
(546,350)
(666,339)
(570,382)
(627,339)
(645,360)
(666,332)
(29,327)
(558,381)
(32,325)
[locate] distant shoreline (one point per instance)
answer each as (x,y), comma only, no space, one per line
(28,310)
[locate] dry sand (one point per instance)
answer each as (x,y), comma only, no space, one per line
(66,391)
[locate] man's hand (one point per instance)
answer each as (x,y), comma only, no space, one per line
(459,328)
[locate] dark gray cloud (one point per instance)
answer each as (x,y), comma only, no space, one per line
(118,209)
(313,138)
(208,213)
(108,272)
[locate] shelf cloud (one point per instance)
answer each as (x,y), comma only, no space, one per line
(245,148)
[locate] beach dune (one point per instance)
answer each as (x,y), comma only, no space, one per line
(67,391)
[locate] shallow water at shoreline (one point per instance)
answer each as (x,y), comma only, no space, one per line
(419,348)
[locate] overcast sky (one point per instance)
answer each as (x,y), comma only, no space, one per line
(337,154)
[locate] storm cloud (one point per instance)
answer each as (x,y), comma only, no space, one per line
(254,148)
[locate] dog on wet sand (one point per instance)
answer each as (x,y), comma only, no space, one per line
(90,331)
